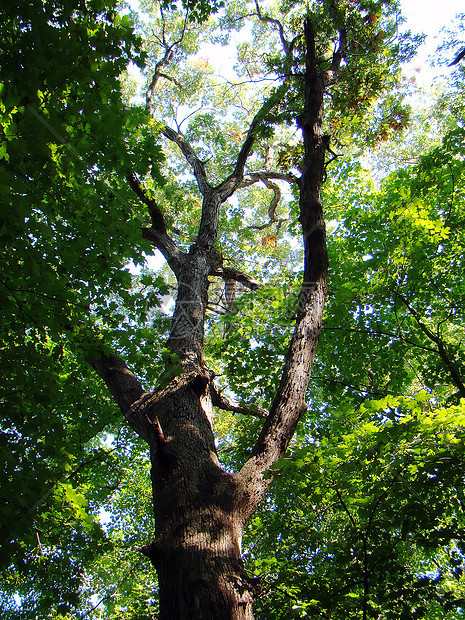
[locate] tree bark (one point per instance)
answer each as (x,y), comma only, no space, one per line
(198,509)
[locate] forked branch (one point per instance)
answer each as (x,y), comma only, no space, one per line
(169,50)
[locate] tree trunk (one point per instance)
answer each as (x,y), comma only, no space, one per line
(199,510)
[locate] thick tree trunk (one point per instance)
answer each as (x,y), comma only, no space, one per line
(199,510)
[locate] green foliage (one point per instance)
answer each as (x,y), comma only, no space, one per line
(373,487)
(68,228)
(397,294)
(366,516)
(373,503)
(197,10)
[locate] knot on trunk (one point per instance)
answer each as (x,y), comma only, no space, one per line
(199,384)
(152,552)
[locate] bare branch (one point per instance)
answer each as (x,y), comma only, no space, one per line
(266,175)
(189,153)
(229,185)
(156,75)
(274,201)
(171,79)
(458,58)
(220,401)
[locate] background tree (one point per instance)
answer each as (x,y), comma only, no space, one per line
(376,475)
(62,255)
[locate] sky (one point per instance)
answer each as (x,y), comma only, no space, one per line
(429,18)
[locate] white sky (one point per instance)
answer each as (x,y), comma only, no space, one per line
(428,17)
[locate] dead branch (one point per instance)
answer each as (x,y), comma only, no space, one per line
(224,403)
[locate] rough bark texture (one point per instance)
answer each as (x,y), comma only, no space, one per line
(200,509)
(199,523)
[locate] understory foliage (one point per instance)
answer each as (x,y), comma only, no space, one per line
(365,514)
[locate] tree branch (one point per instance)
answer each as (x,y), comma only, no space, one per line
(338,54)
(229,273)
(372,332)
(157,233)
(441,349)
(289,402)
(220,401)
(170,79)
(167,57)
(124,387)
(229,185)
(198,166)
(264,18)
(158,221)
(266,175)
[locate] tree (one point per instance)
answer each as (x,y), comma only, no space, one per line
(59,98)
(372,492)
(201,508)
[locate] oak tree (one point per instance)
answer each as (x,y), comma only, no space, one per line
(87,173)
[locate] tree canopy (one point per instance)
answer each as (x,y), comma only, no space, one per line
(227,172)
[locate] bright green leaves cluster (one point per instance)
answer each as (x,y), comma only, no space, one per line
(372,503)
(396,286)
(119,579)
(66,221)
